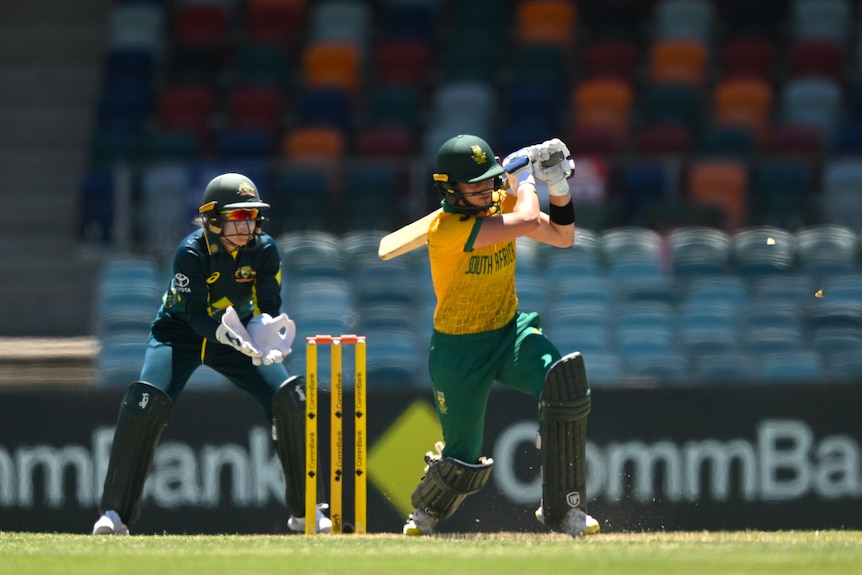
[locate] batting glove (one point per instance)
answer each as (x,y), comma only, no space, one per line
(519,169)
(555,176)
(273,336)
(231,332)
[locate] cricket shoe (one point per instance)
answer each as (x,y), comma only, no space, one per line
(419,523)
(110,524)
(324,523)
(576,522)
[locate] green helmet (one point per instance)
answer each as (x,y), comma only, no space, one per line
(231,191)
(467,159)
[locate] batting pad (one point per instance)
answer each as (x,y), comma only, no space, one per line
(564,407)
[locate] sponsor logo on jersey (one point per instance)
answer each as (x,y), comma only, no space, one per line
(181,283)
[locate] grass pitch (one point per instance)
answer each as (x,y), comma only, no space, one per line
(761,553)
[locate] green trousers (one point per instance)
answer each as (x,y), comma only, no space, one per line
(464,368)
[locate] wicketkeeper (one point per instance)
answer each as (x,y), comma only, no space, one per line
(481,336)
(222,309)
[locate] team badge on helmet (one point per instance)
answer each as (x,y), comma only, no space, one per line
(479,155)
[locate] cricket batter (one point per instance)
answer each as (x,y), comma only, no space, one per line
(480,335)
(222,309)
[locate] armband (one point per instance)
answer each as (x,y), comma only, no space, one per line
(562,215)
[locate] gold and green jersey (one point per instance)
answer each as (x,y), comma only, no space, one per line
(475,288)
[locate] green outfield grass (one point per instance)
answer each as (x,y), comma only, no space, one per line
(761,553)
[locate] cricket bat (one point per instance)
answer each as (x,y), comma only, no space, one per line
(414,235)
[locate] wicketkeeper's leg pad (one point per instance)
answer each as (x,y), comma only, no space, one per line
(564,407)
(447,483)
(144,414)
(288,424)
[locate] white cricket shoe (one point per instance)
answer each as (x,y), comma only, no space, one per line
(576,522)
(419,523)
(324,523)
(110,524)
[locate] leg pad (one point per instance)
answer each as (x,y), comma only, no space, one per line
(447,483)
(564,408)
(288,423)
(144,414)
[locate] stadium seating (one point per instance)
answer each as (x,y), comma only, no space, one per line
(727,131)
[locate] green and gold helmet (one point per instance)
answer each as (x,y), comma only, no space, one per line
(466,159)
(230,192)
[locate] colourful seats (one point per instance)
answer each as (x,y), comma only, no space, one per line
(722,183)
(314,143)
(546,21)
(678,62)
(603,102)
(331,65)
(611,57)
(745,102)
(748,57)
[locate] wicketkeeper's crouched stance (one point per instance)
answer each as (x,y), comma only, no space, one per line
(220,310)
(481,336)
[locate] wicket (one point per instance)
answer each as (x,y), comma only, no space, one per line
(336,451)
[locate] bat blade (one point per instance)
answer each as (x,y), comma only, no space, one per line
(406,239)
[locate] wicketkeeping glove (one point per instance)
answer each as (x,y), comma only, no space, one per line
(273,336)
(231,332)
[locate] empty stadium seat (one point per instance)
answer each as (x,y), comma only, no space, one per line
(603,102)
(273,23)
(340,21)
(726,367)
(302,198)
(402,62)
(729,141)
(325,106)
(748,57)
(722,183)
(792,366)
(614,58)
(821,19)
(840,202)
(744,101)
(186,108)
(684,20)
(762,250)
(331,65)
(699,251)
(257,108)
(793,139)
(324,143)
(672,103)
(385,142)
(664,139)
(265,64)
(826,250)
(812,101)
(822,58)
(546,22)
(678,62)
(781,192)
